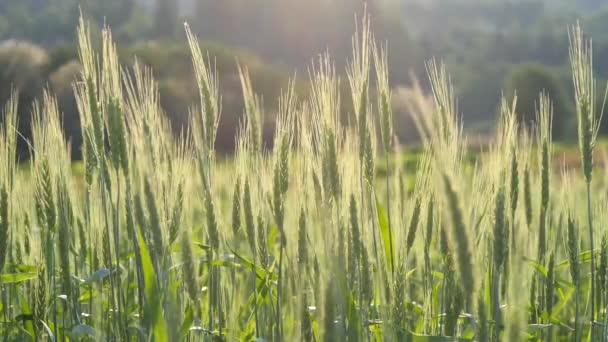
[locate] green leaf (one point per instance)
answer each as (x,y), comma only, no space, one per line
(384,230)
(532,328)
(187,322)
(26,313)
(538,267)
(22,268)
(583,257)
(225,263)
(469,333)
(564,300)
(376,330)
(261,273)
(414,308)
(202,246)
(14,278)
(48,331)
(153,316)
(410,273)
(272,236)
(86,295)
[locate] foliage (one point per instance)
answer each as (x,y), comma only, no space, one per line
(482,41)
(526,82)
(29,69)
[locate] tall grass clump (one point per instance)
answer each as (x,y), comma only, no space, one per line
(588,118)
(447,147)
(386,129)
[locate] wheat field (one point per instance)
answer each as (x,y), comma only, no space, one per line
(160,239)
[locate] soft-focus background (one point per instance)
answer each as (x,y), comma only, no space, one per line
(491,47)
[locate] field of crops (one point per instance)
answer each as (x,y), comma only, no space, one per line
(304,240)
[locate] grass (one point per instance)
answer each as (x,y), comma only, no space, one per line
(335,233)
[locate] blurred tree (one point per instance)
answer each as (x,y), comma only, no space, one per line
(482,41)
(166,18)
(392,29)
(23,68)
(478,89)
(114,13)
(140,26)
(527,82)
(60,82)
(53,22)
(171,63)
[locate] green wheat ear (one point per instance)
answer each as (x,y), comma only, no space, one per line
(212,226)
(236,207)
(384,96)
(369,168)
(573,251)
(249,217)
(302,240)
(550,284)
(64,228)
(355,228)
(500,230)
(254,121)
(189,273)
(455,298)
(262,240)
(118,136)
(399,311)
(45,195)
(428,236)
(96,116)
(158,238)
(207,81)
(544,120)
(459,239)
(283,143)
(8,141)
(40,294)
(358,72)
(331,169)
(514,184)
(581,62)
(413,226)
(177,211)
(367,285)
